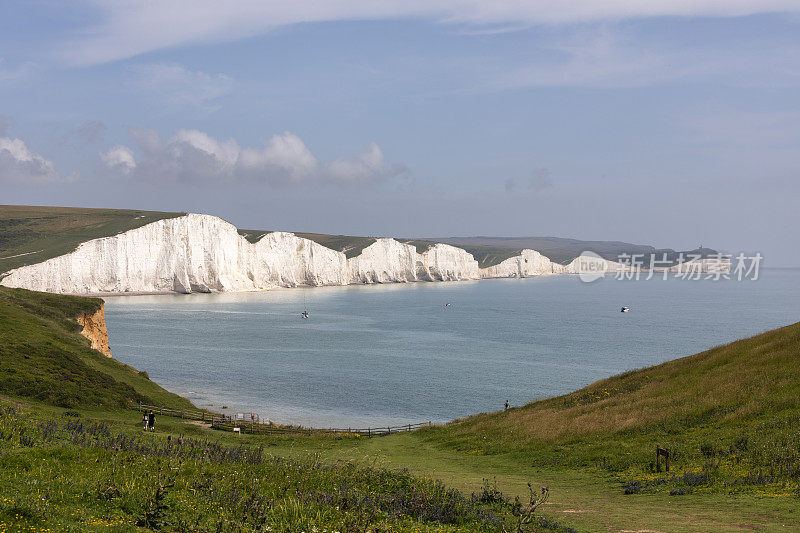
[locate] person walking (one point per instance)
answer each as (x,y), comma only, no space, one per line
(145,421)
(151,421)
(506,406)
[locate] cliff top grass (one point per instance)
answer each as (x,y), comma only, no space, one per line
(350,246)
(32,234)
(486,256)
(43,356)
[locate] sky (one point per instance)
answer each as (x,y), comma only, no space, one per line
(674,123)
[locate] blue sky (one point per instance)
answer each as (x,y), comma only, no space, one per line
(668,123)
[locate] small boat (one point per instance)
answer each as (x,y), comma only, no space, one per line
(447,304)
(624,310)
(304,314)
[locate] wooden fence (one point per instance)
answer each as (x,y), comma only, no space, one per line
(231,423)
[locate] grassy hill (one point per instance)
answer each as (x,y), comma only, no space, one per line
(731,414)
(44,357)
(31,234)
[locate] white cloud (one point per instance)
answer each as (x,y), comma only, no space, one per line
(360,169)
(180,86)
(194,156)
(120,158)
(18,164)
(132,27)
(284,158)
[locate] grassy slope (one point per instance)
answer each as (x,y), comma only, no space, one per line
(350,246)
(253,235)
(43,356)
(35,234)
(732,411)
(70,471)
(486,256)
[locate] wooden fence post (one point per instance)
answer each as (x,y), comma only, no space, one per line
(658,458)
(667,456)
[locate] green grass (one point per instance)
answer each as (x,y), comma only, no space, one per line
(350,246)
(43,356)
(64,471)
(490,255)
(421,246)
(253,235)
(486,256)
(34,234)
(730,415)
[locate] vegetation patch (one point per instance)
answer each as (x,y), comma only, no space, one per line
(729,415)
(31,234)
(44,357)
(78,474)
(253,235)
(487,256)
(348,245)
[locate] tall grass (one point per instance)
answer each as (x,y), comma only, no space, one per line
(741,400)
(71,473)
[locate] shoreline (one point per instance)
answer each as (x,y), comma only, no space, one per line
(278,288)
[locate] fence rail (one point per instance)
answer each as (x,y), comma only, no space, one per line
(231,423)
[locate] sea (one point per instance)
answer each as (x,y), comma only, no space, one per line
(379,355)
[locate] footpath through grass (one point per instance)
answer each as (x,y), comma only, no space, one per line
(64,471)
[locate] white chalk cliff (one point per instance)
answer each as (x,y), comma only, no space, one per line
(528,263)
(203,253)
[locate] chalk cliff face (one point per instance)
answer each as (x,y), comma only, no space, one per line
(528,263)
(94,329)
(442,262)
(384,261)
(202,253)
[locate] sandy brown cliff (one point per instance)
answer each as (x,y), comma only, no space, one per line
(94,329)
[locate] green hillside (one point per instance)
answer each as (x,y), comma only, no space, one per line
(30,234)
(732,413)
(44,357)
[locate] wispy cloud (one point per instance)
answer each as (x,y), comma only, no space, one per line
(607,57)
(20,165)
(177,85)
(85,134)
(8,73)
(131,27)
(192,156)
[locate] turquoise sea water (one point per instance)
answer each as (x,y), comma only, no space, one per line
(378,355)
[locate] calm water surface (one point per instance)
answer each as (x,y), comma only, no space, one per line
(378,355)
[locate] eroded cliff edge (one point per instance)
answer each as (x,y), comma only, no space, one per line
(203,253)
(94,329)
